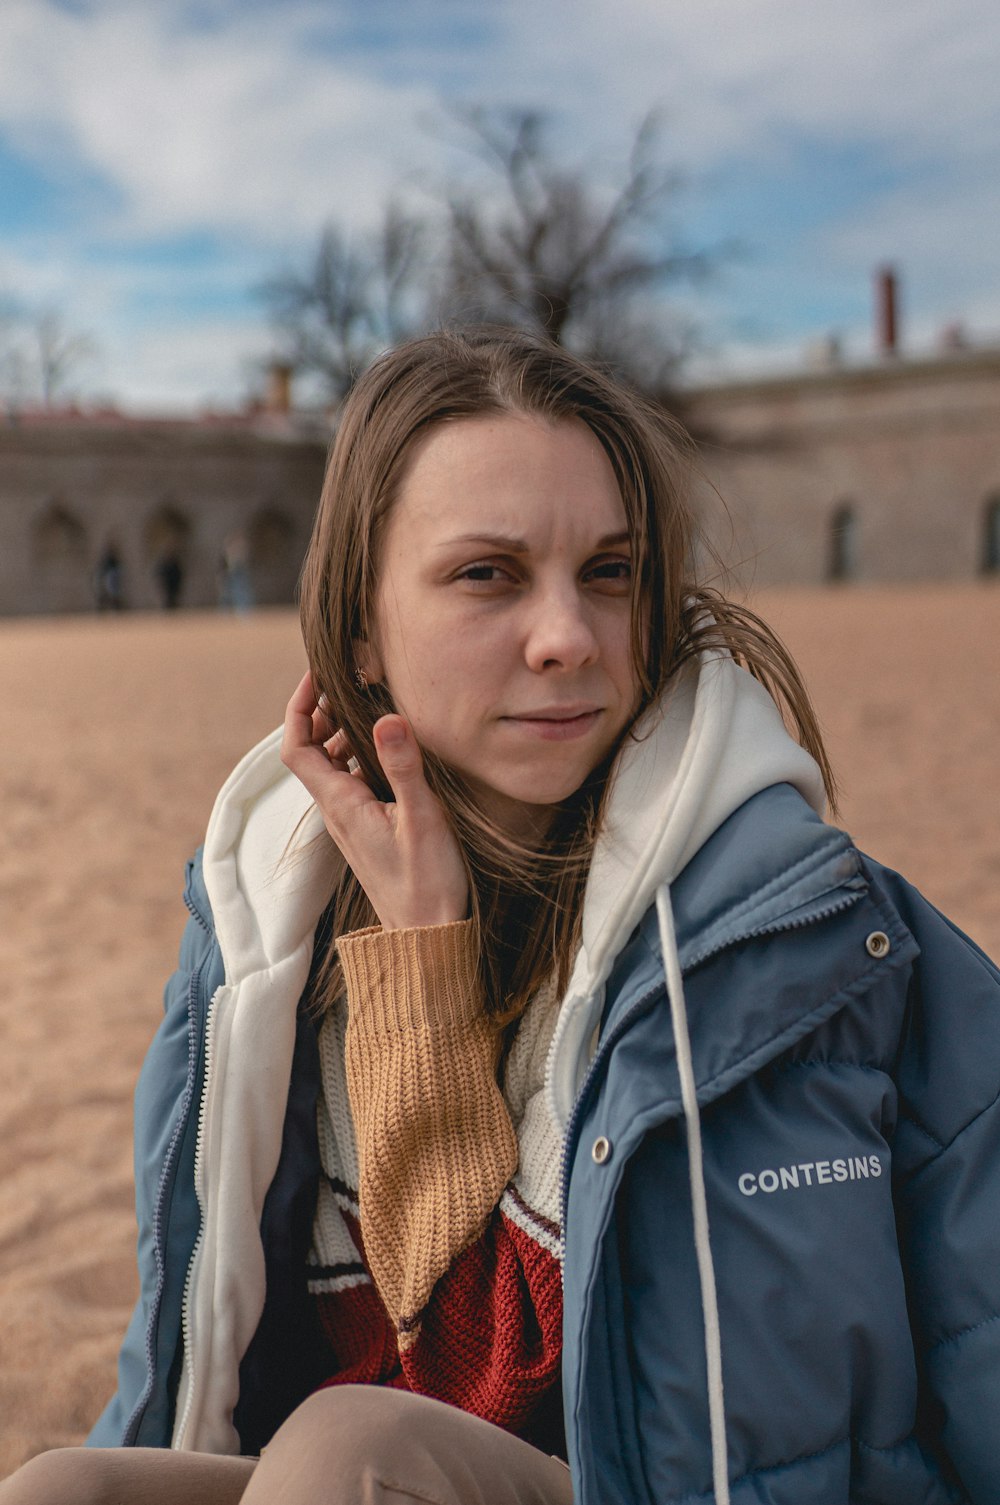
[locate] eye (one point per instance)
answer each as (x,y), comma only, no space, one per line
(484,574)
(614,573)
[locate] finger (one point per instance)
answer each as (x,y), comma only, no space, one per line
(338,750)
(337,747)
(304,698)
(401,761)
(304,744)
(298,729)
(324,720)
(305,704)
(431,885)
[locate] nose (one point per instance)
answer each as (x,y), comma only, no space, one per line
(560,633)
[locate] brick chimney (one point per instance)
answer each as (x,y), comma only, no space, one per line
(886,311)
(279,388)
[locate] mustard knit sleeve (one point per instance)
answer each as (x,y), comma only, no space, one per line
(436,1146)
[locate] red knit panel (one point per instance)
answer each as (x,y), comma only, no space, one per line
(362,1342)
(491,1339)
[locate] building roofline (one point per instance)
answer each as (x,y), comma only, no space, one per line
(891,371)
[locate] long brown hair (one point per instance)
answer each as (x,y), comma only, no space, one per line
(525,900)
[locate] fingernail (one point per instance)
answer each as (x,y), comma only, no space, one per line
(392,731)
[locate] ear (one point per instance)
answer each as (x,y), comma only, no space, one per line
(367,659)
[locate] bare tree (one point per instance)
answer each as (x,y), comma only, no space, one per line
(40,355)
(359,296)
(59,353)
(538,243)
(534,242)
(13,356)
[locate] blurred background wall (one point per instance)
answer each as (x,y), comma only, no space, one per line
(875,474)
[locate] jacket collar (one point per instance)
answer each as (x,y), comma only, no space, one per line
(772,867)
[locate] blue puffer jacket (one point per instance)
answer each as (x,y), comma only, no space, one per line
(846,1049)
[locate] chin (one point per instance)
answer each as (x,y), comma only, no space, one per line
(550,786)
(538,796)
(533,791)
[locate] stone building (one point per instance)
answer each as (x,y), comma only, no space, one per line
(883,473)
(204,511)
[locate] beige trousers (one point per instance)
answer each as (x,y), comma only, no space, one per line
(349,1445)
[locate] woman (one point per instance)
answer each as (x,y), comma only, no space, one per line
(585,1075)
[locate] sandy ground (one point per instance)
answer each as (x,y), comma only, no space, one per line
(116,734)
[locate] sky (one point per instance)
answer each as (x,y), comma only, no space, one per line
(160,159)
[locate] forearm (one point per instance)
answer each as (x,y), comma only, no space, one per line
(435,1142)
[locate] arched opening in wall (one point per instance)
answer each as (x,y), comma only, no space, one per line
(991,536)
(166,536)
(843,555)
(272,557)
(59,552)
(58,536)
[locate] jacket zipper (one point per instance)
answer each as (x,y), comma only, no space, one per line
(199,1152)
(130,1433)
(196,914)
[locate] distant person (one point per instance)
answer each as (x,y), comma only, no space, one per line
(170,578)
(236,587)
(109,581)
(550,1106)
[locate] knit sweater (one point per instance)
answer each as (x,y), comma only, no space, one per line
(437,1250)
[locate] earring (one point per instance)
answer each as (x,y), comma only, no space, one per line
(361,679)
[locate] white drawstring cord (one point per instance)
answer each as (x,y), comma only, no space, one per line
(699,1204)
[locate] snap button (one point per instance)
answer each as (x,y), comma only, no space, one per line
(601,1150)
(877,944)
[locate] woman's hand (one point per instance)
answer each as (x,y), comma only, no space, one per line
(403,854)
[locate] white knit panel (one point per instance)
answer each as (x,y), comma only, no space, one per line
(533,1201)
(332,1244)
(337,1145)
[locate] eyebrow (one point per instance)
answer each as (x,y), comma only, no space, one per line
(510,545)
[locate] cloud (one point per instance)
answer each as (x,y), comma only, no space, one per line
(948,236)
(262,119)
(238,128)
(215,136)
(741,75)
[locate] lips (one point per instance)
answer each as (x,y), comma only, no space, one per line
(555,713)
(556,723)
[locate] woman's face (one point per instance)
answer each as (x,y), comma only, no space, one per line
(504,608)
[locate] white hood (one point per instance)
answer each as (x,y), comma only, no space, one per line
(269,872)
(714,741)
